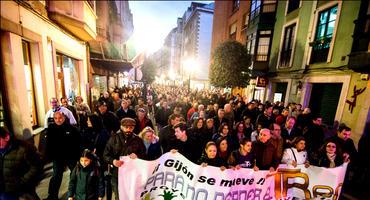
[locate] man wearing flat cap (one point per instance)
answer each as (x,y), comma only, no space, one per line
(123,143)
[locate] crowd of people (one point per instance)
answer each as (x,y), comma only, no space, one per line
(208,127)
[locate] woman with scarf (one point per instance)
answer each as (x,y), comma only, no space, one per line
(329,156)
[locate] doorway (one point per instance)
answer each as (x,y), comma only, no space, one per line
(324,100)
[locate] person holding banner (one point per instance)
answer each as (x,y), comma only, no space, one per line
(186,143)
(210,157)
(330,155)
(242,157)
(123,143)
(296,155)
(223,149)
(265,151)
(151,142)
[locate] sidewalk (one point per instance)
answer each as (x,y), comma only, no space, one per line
(42,188)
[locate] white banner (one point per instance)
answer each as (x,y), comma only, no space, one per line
(172,176)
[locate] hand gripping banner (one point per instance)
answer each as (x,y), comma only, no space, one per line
(172,177)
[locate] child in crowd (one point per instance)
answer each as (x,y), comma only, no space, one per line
(86,181)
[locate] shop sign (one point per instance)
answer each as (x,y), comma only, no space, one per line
(261,81)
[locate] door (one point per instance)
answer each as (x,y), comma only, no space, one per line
(280,91)
(324,100)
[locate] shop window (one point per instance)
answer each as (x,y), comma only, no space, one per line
(286,51)
(99,86)
(68,77)
(324,35)
(29,84)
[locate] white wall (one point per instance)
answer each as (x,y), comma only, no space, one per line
(204,45)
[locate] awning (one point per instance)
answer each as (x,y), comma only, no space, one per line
(100,65)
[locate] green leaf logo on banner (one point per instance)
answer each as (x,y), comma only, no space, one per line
(167,195)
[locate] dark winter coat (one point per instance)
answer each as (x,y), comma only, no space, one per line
(110,121)
(266,155)
(167,138)
(153,151)
(86,183)
(63,142)
(20,167)
(322,160)
(121,145)
(122,114)
(216,162)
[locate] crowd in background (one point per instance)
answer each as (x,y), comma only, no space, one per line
(209,127)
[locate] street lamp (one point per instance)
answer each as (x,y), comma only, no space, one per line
(190,65)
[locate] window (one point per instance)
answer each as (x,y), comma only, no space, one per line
(269,6)
(29,84)
(324,35)
(236,4)
(232,34)
(68,79)
(251,44)
(263,45)
(255,9)
(245,20)
(91,4)
(292,5)
(286,50)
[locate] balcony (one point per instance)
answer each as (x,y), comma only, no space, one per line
(359,61)
(320,50)
(78,17)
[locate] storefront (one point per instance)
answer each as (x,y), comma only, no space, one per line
(68,77)
(107,75)
(39,60)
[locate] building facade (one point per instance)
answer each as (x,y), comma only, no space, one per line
(44,54)
(252,24)
(230,21)
(108,52)
(172,46)
(196,44)
(309,61)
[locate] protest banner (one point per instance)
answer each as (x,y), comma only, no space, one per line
(172,176)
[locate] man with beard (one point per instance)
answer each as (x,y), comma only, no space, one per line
(123,143)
